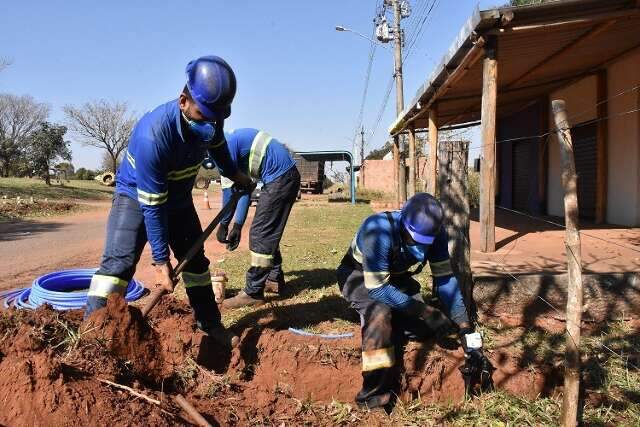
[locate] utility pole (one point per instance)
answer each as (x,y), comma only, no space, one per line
(362,156)
(401,185)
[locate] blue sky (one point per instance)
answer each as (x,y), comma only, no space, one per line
(298,78)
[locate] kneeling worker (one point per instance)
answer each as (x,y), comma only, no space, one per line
(375,277)
(264,158)
(153,201)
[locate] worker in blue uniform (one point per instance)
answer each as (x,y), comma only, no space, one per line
(375,276)
(152,200)
(266,159)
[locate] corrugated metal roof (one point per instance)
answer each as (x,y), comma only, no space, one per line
(536,52)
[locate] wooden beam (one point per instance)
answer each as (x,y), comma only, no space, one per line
(488,140)
(396,170)
(411,189)
(602,147)
(469,60)
(543,156)
(581,39)
(571,390)
(433,150)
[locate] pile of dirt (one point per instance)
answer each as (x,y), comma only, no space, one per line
(52,361)
(12,209)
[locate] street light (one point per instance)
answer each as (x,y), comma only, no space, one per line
(340,28)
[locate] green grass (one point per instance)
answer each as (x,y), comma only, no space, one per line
(36,188)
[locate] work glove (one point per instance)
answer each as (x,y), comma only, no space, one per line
(234,237)
(246,188)
(219,284)
(164,276)
(436,321)
(477,370)
(221,234)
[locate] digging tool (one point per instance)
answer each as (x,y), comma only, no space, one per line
(157,293)
(477,373)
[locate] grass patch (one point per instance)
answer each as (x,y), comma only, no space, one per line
(36,188)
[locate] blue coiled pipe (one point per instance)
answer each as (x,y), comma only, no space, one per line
(63,290)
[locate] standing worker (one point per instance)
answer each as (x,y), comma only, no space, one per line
(263,158)
(375,277)
(153,202)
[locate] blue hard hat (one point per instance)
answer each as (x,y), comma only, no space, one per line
(212,85)
(422,217)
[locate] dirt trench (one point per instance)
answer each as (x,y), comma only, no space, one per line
(50,372)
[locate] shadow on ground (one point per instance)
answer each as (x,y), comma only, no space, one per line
(21,229)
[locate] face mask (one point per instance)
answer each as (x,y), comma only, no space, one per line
(419,252)
(204,131)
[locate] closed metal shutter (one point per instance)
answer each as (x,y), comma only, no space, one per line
(522,163)
(585,151)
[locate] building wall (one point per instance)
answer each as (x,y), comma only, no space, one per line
(580,99)
(623,200)
(623,155)
(378,175)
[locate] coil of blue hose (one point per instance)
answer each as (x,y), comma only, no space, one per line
(63,290)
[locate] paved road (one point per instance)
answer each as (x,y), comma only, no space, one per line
(34,247)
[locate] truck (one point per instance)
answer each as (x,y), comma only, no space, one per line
(311,175)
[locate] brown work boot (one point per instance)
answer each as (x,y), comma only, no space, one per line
(223,337)
(242,300)
(272,286)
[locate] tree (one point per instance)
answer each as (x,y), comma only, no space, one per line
(46,145)
(378,154)
(67,168)
(104,125)
(107,162)
(19,117)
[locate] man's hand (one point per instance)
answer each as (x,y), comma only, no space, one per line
(241,180)
(164,276)
(219,284)
(436,321)
(221,234)
(244,188)
(477,371)
(234,237)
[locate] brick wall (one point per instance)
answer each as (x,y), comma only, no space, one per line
(378,175)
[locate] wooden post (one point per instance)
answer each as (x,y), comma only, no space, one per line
(433,151)
(572,243)
(396,169)
(453,162)
(402,177)
(411,189)
(602,148)
(488,162)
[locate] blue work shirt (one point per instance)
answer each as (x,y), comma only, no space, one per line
(159,168)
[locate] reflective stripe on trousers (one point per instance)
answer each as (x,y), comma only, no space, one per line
(103,286)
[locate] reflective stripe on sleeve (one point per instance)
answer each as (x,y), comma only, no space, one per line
(261,260)
(258,148)
(355,250)
(152,199)
(103,286)
(225,182)
(184,173)
(441,268)
(192,280)
(378,359)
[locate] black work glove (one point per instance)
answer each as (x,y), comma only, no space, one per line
(221,234)
(246,189)
(234,237)
(477,370)
(436,321)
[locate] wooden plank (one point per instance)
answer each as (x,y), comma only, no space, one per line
(433,150)
(396,170)
(602,147)
(543,156)
(488,140)
(411,189)
(574,267)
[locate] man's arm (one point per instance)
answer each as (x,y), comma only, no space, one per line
(151,181)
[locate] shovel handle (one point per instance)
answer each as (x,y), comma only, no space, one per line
(193,412)
(154,297)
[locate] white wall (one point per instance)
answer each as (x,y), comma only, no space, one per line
(623,200)
(580,100)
